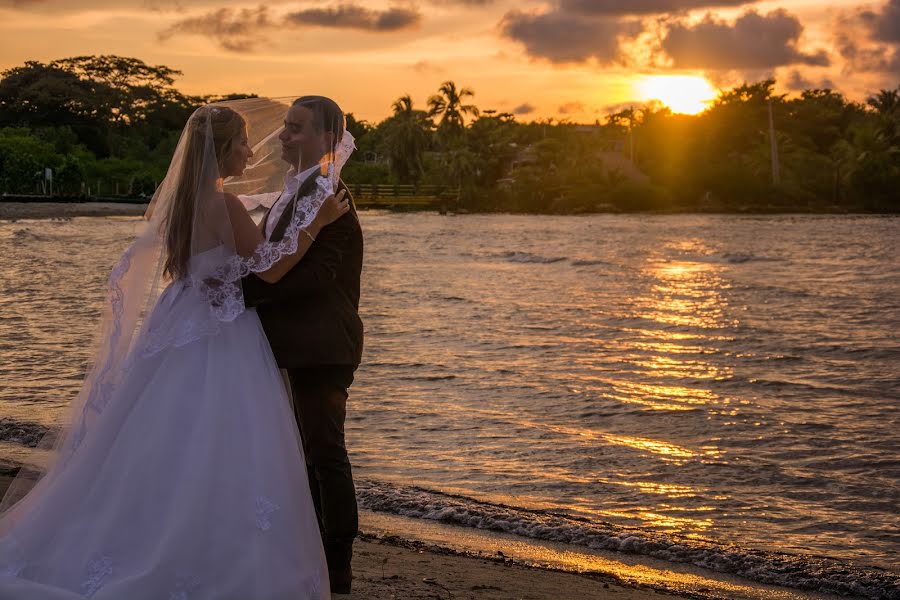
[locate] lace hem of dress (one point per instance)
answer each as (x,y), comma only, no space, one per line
(160,339)
(98,571)
(101,390)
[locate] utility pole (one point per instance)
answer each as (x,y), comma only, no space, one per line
(631,134)
(776,168)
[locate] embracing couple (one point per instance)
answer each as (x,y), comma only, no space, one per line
(188,467)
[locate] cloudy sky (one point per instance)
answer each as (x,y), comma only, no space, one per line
(574,59)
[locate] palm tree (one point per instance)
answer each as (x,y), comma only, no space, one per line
(873,165)
(460,166)
(886,101)
(403,105)
(887,106)
(407,137)
(448,105)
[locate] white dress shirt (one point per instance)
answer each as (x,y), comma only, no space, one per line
(292,181)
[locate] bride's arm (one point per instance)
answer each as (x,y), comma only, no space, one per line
(248,237)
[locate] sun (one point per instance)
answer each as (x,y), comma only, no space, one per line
(688,94)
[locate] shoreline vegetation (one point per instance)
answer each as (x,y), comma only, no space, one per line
(106,127)
(56,208)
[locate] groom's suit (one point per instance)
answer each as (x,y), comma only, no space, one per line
(311,319)
(311,316)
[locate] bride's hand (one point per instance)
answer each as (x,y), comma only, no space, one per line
(333,209)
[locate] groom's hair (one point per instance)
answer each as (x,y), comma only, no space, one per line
(328,116)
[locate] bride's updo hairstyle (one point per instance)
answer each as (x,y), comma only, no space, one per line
(198,178)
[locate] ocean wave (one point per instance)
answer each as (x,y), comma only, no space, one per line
(519,256)
(589,263)
(743,257)
(528,257)
(27,235)
(21,432)
(802,572)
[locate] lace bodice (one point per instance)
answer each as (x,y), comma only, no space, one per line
(182,313)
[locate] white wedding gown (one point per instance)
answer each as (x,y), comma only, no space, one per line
(191,486)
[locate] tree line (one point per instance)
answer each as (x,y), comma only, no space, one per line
(114,121)
(107,120)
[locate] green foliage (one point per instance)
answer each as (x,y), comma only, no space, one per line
(113,122)
(448,105)
(356,171)
(23,158)
(833,154)
(632,196)
(358,129)
(110,120)
(405,137)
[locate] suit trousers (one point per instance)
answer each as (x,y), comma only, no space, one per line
(320,406)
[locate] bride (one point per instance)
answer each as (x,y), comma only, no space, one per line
(178,473)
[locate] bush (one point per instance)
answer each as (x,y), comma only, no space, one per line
(365,172)
(23,158)
(631,195)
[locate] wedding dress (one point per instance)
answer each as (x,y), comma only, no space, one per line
(178,473)
(191,485)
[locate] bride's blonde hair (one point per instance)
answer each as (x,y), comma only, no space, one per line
(196,179)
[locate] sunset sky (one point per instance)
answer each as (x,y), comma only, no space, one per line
(575,59)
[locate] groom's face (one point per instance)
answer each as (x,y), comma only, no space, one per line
(301,144)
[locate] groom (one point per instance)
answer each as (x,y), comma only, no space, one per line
(311,319)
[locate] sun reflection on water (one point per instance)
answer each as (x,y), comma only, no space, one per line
(665,449)
(680,524)
(666,366)
(684,293)
(670,490)
(663,397)
(687,313)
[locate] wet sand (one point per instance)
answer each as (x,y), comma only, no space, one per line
(386,568)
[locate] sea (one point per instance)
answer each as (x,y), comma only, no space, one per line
(720,391)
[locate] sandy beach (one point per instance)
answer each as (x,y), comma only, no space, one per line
(67,210)
(388,567)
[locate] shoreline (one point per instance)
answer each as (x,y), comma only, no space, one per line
(15,211)
(408,566)
(637,572)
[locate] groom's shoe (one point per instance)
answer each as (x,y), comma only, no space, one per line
(340,580)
